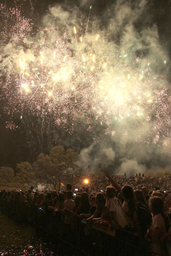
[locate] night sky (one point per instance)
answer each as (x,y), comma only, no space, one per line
(140,29)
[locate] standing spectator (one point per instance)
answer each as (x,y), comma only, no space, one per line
(69,205)
(128,205)
(30,199)
(116,216)
(60,202)
(143,213)
(100,208)
(168,204)
(160,225)
(84,206)
(77,201)
(69,187)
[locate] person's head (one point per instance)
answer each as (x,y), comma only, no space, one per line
(77,200)
(69,187)
(158,194)
(92,199)
(110,192)
(61,197)
(54,193)
(100,199)
(144,191)
(156,204)
(85,198)
(127,193)
(139,197)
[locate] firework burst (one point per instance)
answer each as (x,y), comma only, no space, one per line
(70,68)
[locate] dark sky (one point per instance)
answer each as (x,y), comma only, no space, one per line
(18,145)
(157,11)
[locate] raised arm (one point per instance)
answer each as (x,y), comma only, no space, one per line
(114,183)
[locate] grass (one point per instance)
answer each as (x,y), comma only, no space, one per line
(15,237)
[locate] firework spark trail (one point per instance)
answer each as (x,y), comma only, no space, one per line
(66,72)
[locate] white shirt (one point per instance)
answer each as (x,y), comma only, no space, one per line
(157,222)
(114,205)
(69,204)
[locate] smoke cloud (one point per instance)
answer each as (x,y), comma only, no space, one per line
(131,167)
(112,66)
(95,158)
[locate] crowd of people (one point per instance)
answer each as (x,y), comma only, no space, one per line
(137,205)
